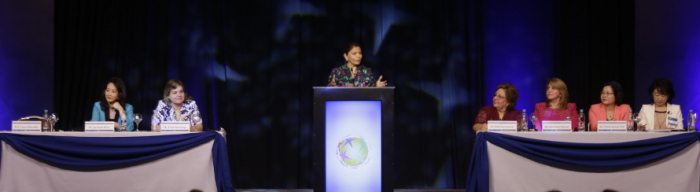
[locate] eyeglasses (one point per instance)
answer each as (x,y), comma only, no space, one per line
(606,93)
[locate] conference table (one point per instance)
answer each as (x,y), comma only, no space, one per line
(585,161)
(119,161)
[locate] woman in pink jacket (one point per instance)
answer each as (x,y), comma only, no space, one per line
(557,107)
(610,107)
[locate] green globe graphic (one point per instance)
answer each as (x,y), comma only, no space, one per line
(352,152)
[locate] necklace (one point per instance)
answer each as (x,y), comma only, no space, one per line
(609,115)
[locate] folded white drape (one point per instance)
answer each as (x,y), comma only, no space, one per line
(190,169)
(511,172)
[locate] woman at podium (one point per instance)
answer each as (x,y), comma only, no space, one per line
(176,105)
(353,73)
(112,106)
(503,108)
(661,114)
(557,106)
(610,107)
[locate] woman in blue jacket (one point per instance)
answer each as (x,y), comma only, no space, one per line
(112,106)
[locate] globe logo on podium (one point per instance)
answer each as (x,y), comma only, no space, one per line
(352,152)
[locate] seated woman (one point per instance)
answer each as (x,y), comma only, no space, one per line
(112,106)
(557,107)
(610,107)
(353,73)
(176,105)
(503,108)
(661,114)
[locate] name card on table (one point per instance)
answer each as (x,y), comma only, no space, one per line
(26,126)
(175,126)
(556,126)
(612,126)
(502,126)
(99,126)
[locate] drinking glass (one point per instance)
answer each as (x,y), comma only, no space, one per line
(137,119)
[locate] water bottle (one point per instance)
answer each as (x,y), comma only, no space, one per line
(45,122)
(692,117)
(581,121)
(122,125)
(630,122)
(533,118)
(523,121)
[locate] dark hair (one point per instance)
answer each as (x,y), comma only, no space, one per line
(617,91)
(664,87)
(349,47)
(511,94)
(121,93)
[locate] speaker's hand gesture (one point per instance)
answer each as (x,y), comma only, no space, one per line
(381,83)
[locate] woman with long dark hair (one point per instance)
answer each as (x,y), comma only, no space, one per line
(112,106)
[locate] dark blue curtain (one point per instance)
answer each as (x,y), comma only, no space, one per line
(105,153)
(588,157)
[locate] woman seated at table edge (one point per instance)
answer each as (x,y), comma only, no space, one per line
(660,114)
(503,108)
(176,105)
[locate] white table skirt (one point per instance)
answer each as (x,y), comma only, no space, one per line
(511,172)
(187,170)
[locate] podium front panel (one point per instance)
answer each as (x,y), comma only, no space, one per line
(353,139)
(353,146)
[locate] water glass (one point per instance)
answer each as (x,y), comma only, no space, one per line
(53,118)
(137,119)
(533,118)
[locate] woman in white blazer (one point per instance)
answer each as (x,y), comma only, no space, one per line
(661,114)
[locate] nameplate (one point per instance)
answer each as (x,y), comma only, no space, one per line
(612,126)
(672,122)
(556,126)
(26,126)
(502,126)
(175,126)
(99,126)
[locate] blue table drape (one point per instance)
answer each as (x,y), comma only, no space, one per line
(106,153)
(587,157)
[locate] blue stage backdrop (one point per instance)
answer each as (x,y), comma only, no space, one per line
(26,59)
(518,48)
(667,45)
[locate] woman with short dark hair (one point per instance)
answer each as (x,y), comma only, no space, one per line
(503,108)
(661,114)
(352,73)
(611,107)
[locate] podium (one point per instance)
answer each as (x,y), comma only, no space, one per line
(353,138)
